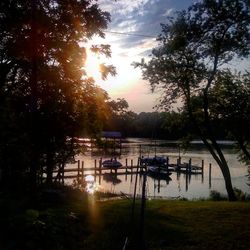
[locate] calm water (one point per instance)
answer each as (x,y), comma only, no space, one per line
(180,185)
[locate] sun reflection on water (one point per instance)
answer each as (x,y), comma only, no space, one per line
(91,185)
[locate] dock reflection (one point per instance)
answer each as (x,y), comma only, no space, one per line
(159,180)
(112,178)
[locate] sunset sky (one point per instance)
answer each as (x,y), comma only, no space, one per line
(139,21)
(141,18)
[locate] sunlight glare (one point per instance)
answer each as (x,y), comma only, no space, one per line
(91,186)
(92,65)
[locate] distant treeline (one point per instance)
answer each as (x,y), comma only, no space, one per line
(159,125)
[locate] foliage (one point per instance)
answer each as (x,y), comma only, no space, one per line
(216,196)
(230,104)
(241,196)
(194,47)
(155,125)
(120,118)
(46,95)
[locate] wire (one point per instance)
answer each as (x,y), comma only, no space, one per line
(128,34)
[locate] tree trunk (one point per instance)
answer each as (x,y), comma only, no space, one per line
(214,148)
(227,177)
(219,158)
(215,151)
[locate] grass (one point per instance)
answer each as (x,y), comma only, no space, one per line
(80,222)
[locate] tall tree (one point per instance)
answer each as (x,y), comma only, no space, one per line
(46,95)
(230,103)
(194,46)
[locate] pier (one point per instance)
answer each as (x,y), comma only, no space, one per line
(128,168)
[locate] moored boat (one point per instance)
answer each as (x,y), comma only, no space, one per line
(111,163)
(156,160)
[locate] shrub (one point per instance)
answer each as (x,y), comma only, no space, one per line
(216,196)
(240,195)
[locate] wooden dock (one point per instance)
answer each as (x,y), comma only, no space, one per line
(81,171)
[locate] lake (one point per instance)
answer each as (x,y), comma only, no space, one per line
(180,185)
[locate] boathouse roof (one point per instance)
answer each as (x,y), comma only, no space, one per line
(111,134)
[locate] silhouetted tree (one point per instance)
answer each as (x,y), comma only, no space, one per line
(46,96)
(194,47)
(230,103)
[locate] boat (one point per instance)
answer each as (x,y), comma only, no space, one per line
(156,160)
(158,172)
(111,163)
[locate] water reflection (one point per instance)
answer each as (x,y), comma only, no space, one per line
(159,183)
(188,186)
(111,177)
(91,185)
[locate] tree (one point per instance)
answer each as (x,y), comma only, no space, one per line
(119,107)
(46,96)
(120,118)
(230,104)
(194,47)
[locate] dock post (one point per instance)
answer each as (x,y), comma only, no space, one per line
(100,170)
(78,172)
(209,176)
(178,164)
(138,161)
(190,166)
(63,173)
(131,171)
(126,169)
(186,182)
(95,171)
(167,163)
(202,171)
(82,171)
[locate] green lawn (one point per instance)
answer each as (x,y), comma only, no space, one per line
(84,223)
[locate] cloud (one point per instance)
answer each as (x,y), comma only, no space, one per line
(137,17)
(122,7)
(168,12)
(132,21)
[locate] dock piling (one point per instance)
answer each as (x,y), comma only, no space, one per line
(82,177)
(95,170)
(209,176)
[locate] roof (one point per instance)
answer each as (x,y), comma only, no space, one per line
(111,134)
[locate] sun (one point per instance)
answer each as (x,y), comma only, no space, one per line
(92,69)
(126,76)
(92,65)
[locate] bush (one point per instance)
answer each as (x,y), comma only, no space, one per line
(240,195)
(216,196)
